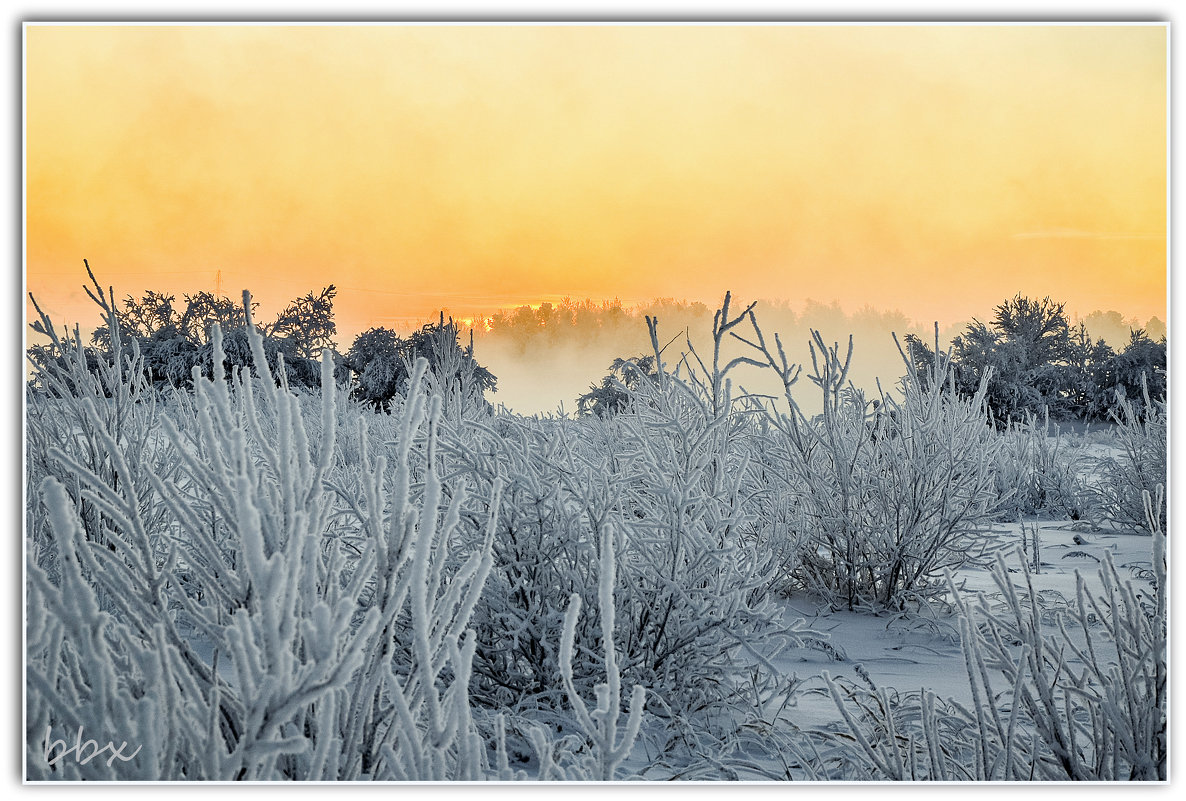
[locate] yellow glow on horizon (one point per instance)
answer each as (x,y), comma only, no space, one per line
(933,169)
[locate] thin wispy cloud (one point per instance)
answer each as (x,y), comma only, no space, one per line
(1072,233)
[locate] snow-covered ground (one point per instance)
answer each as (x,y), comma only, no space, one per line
(923,652)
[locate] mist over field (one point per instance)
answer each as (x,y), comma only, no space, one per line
(543,363)
(546,355)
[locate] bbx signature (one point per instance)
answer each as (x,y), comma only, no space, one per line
(84,752)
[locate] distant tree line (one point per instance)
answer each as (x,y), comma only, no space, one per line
(529,328)
(174,337)
(1040,362)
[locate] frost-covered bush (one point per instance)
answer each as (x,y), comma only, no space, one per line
(1123,481)
(671,478)
(601,748)
(692,581)
(612,395)
(545,547)
(253,628)
(101,414)
(1082,698)
(1039,472)
(892,493)
(698,581)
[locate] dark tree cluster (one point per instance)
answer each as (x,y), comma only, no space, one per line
(174,337)
(1040,362)
(381,361)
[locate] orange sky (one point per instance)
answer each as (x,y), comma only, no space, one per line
(934,170)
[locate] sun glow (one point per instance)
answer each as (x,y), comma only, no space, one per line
(934,169)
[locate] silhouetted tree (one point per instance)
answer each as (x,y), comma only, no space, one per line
(174,338)
(1027,346)
(1040,362)
(382,362)
(307,324)
(1141,357)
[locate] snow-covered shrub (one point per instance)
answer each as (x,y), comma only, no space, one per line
(692,586)
(892,493)
(597,753)
(1039,472)
(1084,698)
(612,395)
(95,410)
(453,373)
(698,585)
(1143,439)
(543,549)
(239,352)
(258,629)
(671,474)
(707,549)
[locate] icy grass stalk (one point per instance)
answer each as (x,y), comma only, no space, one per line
(1106,720)
(610,746)
(412,721)
(78,403)
(101,654)
(88,670)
